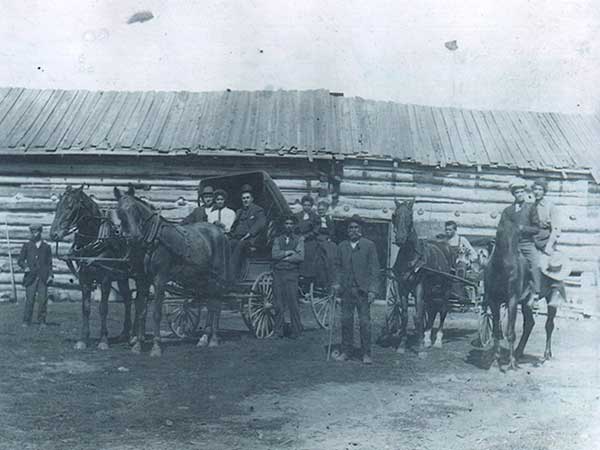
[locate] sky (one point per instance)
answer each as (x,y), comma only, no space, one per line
(512,55)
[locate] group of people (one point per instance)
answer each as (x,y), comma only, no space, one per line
(305,249)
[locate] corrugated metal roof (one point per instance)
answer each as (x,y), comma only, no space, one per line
(292,121)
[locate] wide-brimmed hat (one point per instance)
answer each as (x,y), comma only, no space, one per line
(35,227)
(355,219)
(221,192)
(207,190)
(246,188)
(517,183)
(556,266)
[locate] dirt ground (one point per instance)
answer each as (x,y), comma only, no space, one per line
(282,394)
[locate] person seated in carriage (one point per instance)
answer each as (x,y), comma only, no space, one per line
(327,227)
(249,224)
(219,214)
(462,256)
(205,202)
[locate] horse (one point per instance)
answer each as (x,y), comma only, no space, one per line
(419,270)
(193,256)
(96,240)
(507,281)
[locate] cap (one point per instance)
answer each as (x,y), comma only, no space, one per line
(517,183)
(222,193)
(35,227)
(207,190)
(246,188)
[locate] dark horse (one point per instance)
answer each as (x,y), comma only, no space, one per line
(97,244)
(193,256)
(507,282)
(429,288)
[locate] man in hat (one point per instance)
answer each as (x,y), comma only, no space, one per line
(357,272)
(524,216)
(288,254)
(36,260)
(219,214)
(205,201)
(250,221)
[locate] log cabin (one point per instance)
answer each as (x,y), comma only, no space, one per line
(360,154)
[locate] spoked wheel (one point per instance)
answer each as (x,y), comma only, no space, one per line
(393,309)
(322,304)
(259,311)
(184,319)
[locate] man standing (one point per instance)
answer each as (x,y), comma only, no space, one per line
(457,242)
(357,271)
(288,254)
(36,260)
(249,223)
(219,214)
(525,216)
(205,201)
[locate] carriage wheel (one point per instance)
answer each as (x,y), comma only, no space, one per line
(393,309)
(259,311)
(322,304)
(184,319)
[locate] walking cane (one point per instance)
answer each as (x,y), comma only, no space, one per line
(10,262)
(332,325)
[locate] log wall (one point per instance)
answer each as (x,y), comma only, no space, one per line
(29,190)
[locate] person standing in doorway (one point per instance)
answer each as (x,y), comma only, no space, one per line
(357,272)
(36,260)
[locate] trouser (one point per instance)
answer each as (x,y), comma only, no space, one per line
(238,250)
(351,300)
(285,297)
(531,254)
(36,291)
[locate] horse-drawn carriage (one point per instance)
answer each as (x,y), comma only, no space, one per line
(252,295)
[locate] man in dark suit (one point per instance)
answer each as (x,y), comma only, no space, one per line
(36,260)
(250,221)
(357,272)
(525,216)
(205,201)
(288,254)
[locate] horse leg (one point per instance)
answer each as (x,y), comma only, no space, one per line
(528,324)
(203,341)
(216,315)
(103,308)
(440,333)
(497,333)
(428,334)
(403,330)
(419,319)
(139,326)
(126,294)
(512,319)
(549,329)
(159,295)
(86,294)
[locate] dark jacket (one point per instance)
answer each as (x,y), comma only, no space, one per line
(357,267)
(249,220)
(197,215)
(37,262)
(282,262)
(309,228)
(526,219)
(327,232)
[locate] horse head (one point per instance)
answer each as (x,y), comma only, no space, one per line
(73,207)
(402,220)
(133,213)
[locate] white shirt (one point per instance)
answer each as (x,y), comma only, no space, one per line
(226,216)
(460,241)
(353,244)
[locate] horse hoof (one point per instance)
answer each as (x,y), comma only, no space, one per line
(156,352)
(103,346)
(133,340)
(80,345)
(438,343)
(203,341)
(422,355)
(214,342)
(427,342)
(137,348)
(401,350)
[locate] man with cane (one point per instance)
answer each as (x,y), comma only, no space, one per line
(357,271)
